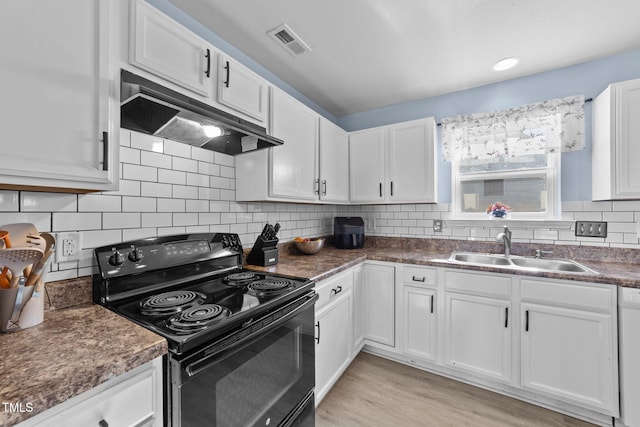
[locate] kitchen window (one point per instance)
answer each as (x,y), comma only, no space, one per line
(512,157)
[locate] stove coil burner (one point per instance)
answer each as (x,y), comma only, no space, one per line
(239,279)
(170,302)
(272,286)
(197,318)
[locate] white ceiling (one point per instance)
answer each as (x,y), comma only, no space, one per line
(372,53)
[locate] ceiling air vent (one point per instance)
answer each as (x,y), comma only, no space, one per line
(288,40)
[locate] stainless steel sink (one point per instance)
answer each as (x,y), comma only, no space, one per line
(519,262)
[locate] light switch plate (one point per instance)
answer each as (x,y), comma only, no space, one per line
(591,229)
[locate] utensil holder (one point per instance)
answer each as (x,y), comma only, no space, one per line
(8,301)
(264,252)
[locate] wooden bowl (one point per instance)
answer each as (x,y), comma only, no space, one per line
(310,247)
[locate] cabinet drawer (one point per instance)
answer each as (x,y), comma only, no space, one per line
(569,294)
(478,283)
(419,275)
(332,287)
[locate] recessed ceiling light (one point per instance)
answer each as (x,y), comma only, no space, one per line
(505,64)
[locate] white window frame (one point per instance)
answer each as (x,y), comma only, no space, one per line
(551,172)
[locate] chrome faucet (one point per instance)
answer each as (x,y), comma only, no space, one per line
(505,236)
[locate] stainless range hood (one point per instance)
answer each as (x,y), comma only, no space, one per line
(155,110)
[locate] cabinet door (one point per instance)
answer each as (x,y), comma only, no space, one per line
(568,354)
(241,89)
(293,165)
(627,135)
(334,163)
(333,342)
(165,48)
(366,165)
(358,309)
(57,117)
(478,335)
(411,171)
(419,322)
(379,303)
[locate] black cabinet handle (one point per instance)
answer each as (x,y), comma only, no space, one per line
(105,151)
(336,291)
(506,317)
(526,321)
(318,337)
(324,187)
(380,189)
(316,186)
(208,56)
(391,188)
(103,423)
(431,304)
(418,279)
(228,68)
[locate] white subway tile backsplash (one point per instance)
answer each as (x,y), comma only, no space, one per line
(160,219)
(146,142)
(138,204)
(182,219)
(172,177)
(185,192)
(137,233)
(9,201)
(177,149)
(617,216)
(171,205)
(43,202)
(201,154)
(186,165)
(139,173)
(208,168)
(209,218)
(223,159)
(197,205)
(127,188)
(219,182)
(158,160)
(197,180)
(112,220)
(99,203)
(42,220)
(129,155)
(155,189)
(227,171)
(76,221)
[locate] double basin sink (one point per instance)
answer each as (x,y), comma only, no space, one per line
(519,262)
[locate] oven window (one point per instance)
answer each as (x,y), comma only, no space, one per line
(255,386)
(258,383)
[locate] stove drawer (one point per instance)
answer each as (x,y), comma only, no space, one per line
(332,287)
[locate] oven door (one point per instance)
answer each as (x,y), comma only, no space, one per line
(264,378)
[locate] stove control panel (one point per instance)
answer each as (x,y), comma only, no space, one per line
(167,251)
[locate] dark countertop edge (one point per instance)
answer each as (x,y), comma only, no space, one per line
(47,391)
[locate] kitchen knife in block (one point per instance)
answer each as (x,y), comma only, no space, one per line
(264,252)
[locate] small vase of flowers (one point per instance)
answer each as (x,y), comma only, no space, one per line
(498,210)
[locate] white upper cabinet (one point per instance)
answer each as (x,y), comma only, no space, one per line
(616,142)
(394,164)
(366,165)
(59,113)
(161,46)
(241,89)
(334,163)
(411,161)
(293,165)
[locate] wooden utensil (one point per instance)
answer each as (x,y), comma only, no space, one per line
(24,234)
(4,280)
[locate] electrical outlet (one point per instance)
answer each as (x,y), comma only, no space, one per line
(68,246)
(437,225)
(591,228)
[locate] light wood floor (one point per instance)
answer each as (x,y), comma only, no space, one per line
(378,392)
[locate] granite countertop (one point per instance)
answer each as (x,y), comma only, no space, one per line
(331,260)
(72,351)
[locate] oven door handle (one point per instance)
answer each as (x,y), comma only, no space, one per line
(194,368)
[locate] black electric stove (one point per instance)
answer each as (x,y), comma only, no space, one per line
(191,289)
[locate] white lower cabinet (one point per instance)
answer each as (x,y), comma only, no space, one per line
(477,337)
(333,331)
(358,309)
(379,303)
(568,343)
(133,399)
(420,323)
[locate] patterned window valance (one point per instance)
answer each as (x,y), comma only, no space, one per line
(544,127)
